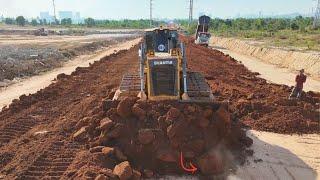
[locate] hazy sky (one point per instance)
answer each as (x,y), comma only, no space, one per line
(135,9)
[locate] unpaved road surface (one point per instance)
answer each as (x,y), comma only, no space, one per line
(271,72)
(35,83)
(29,39)
(36,130)
(279,156)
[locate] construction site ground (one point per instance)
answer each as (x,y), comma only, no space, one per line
(40,126)
(23,55)
(33,84)
(271,73)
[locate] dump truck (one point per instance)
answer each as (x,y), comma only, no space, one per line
(202,33)
(163,73)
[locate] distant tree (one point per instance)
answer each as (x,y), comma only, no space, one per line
(294,26)
(56,22)
(228,22)
(21,21)
(192,28)
(34,22)
(66,21)
(45,22)
(258,24)
(90,22)
(9,21)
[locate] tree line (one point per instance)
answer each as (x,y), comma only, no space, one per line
(89,22)
(21,21)
(218,25)
(259,24)
(266,24)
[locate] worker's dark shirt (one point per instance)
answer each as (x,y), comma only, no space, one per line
(300,79)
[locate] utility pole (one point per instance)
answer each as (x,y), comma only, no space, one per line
(54,11)
(190,12)
(151,1)
(316,21)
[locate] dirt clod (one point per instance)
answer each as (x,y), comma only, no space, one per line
(136,175)
(81,134)
(116,131)
(167,155)
(108,151)
(119,154)
(148,173)
(146,136)
(96,149)
(123,170)
(211,163)
(106,124)
(138,112)
(124,107)
(101,177)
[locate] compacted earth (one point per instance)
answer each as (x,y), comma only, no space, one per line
(71,129)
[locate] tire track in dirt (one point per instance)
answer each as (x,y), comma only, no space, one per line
(54,162)
(16,129)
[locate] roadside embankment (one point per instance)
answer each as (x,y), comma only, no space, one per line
(293,60)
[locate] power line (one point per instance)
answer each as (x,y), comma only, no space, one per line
(54,11)
(316,21)
(190,11)
(151,7)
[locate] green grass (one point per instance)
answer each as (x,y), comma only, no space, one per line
(305,40)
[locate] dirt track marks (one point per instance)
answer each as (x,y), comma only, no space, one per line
(16,129)
(53,163)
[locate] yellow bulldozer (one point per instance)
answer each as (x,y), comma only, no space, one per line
(163,73)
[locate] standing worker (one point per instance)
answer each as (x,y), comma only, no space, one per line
(297,90)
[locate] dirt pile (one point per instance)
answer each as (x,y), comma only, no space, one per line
(258,104)
(134,137)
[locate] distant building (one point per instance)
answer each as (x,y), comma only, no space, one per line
(77,18)
(46,16)
(65,15)
(1,18)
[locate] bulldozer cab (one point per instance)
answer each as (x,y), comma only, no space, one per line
(162,64)
(161,40)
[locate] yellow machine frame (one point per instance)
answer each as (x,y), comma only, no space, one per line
(174,53)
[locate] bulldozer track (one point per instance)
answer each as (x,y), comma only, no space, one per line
(54,162)
(16,129)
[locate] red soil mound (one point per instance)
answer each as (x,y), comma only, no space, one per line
(153,138)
